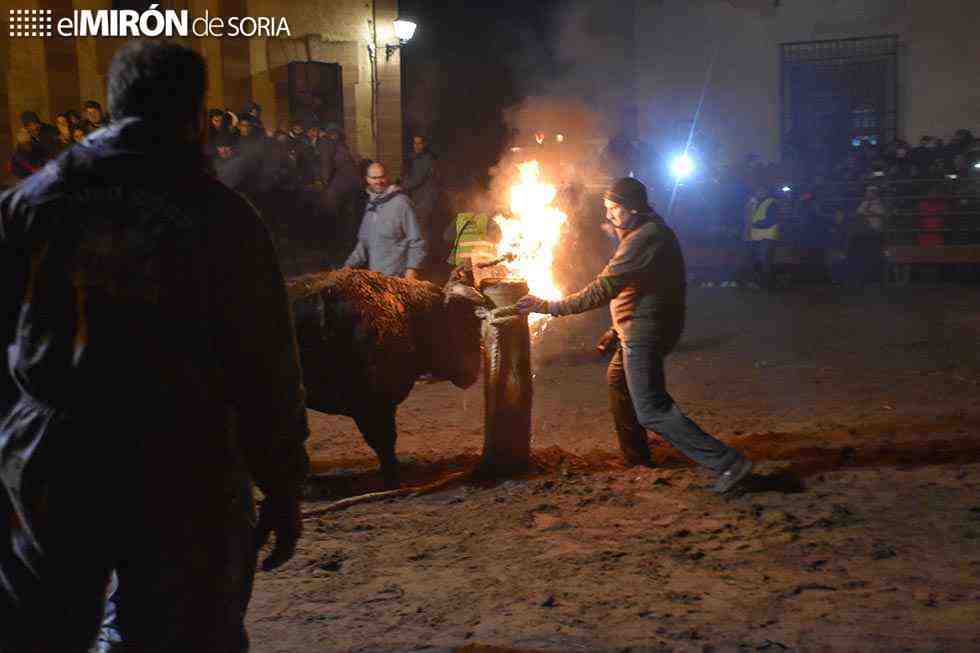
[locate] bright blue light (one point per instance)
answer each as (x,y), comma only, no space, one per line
(682,167)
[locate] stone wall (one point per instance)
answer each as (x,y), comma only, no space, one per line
(54,74)
(676,41)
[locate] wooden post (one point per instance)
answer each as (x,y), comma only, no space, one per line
(507,388)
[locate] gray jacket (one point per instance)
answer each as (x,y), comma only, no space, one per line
(390,240)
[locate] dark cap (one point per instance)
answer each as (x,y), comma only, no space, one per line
(629,193)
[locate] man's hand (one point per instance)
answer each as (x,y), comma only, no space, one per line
(282,516)
(412,273)
(608,343)
(531,304)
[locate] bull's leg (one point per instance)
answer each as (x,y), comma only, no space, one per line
(378,428)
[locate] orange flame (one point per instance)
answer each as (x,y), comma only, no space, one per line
(531,236)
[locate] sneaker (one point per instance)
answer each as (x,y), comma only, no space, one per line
(732,476)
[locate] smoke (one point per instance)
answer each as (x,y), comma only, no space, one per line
(576,79)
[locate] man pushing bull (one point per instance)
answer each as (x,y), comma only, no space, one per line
(153,376)
(645,285)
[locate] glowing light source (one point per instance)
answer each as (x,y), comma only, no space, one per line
(977,165)
(682,167)
(560,138)
(532,234)
(786,189)
(404,29)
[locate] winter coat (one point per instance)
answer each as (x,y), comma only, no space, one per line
(339,173)
(150,338)
(422,185)
(390,240)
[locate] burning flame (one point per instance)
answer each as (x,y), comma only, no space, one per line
(530,237)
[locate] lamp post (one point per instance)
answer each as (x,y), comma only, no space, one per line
(404,31)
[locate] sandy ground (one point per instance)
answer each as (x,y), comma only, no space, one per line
(859,532)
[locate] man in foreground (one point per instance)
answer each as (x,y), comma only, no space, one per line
(153,375)
(390,240)
(646,284)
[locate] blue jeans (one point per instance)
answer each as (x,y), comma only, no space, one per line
(639,401)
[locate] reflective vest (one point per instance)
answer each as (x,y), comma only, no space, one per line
(471,238)
(768,233)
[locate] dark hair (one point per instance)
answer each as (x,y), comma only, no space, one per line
(71,113)
(28,117)
(215,112)
(92,104)
(164,82)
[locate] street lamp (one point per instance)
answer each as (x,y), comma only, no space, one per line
(404,31)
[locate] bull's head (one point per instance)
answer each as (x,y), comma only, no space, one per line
(460,361)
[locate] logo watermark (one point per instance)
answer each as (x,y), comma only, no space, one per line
(149,23)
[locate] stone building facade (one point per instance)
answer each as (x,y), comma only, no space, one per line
(50,75)
(735,45)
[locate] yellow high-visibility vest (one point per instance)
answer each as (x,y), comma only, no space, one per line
(768,233)
(472,241)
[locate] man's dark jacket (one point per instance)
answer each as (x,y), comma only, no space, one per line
(645,284)
(149,348)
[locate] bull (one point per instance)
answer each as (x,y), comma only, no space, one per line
(365,339)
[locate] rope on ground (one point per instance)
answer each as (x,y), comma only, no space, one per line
(371,497)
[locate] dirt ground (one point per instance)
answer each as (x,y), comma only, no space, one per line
(859,532)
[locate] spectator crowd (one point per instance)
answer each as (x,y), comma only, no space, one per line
(311,186)
(302,174)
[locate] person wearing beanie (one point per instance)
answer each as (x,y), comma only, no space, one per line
(645,285)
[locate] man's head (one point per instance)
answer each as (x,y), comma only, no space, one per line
(31,122)
(377,178)
(216,117)
(624,201)
(312,133)
(63,125)
(24,138)
(93,112)
(419,144)
(332,132)
(296,131)
(246,124)
(163,83)
(77,134)
(253,109)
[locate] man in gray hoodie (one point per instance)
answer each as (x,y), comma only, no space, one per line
(390,240)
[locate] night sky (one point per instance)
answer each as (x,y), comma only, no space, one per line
(467,63)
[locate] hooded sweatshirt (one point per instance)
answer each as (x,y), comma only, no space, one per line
(390,240)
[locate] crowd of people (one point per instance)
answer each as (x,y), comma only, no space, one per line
(38,142)
(851,207)
(95,422)
(301,167)
(872,197)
